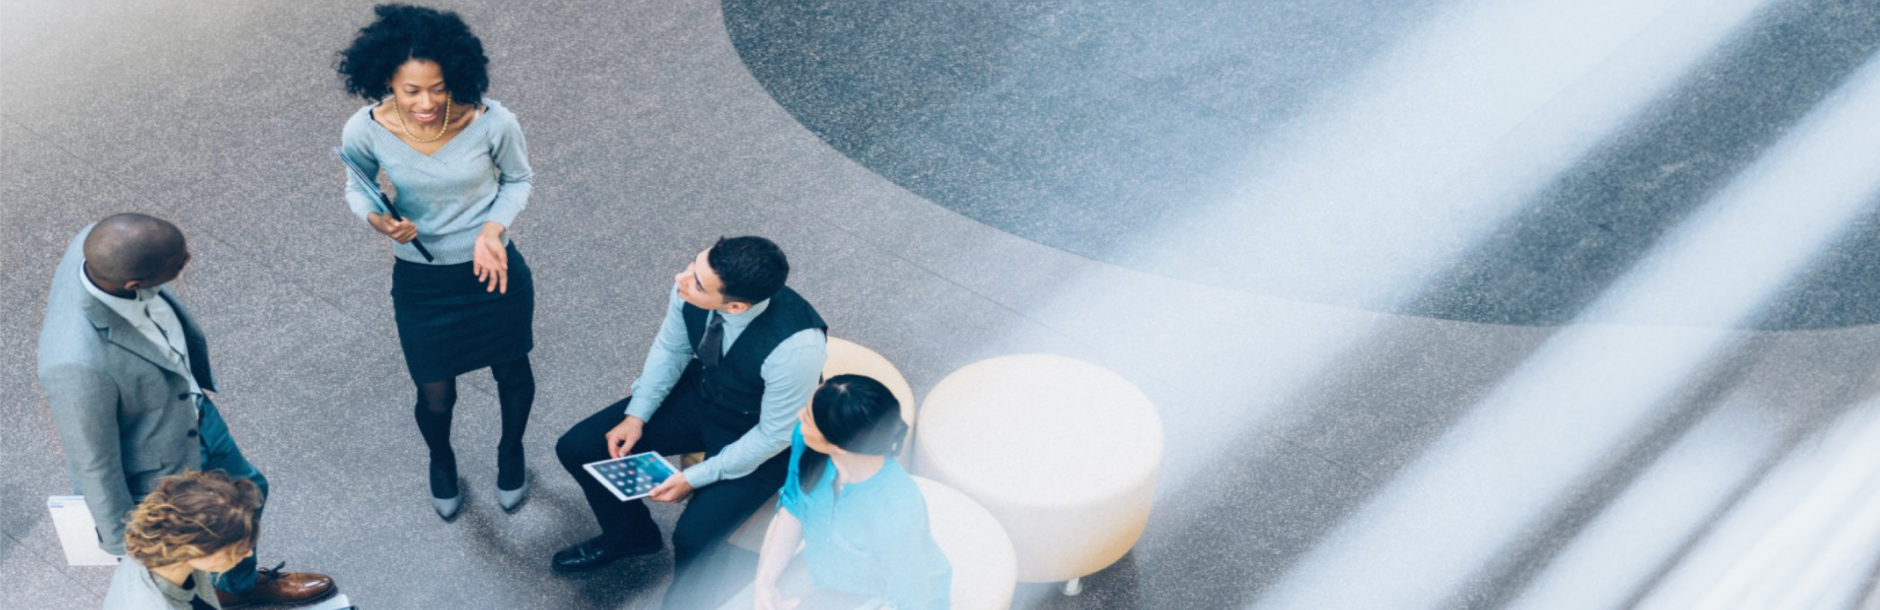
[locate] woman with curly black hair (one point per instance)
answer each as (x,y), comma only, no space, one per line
(461,292)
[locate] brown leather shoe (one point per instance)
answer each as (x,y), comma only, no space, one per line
(274,587)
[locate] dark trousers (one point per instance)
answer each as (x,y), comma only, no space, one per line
(220,453)
(685,423)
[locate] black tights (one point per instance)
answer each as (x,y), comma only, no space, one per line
(515,392)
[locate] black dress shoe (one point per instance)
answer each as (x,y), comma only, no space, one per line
(594,553)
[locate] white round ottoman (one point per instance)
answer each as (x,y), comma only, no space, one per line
(845,358)
(985,569)
(1063,452)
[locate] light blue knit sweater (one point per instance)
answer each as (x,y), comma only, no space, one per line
(480,175)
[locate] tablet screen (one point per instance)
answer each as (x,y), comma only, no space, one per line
(632,476)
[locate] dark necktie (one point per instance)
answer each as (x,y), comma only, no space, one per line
(712,347)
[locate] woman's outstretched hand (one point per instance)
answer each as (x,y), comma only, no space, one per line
(490,260)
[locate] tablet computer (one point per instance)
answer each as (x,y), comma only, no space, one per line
(633,476)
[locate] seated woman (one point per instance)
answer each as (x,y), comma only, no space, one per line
(863,528)
(194,524)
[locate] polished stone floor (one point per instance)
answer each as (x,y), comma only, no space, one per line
(1444,303)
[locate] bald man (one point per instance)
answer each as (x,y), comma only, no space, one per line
(126,372)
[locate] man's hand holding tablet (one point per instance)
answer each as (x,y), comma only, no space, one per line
(634,476)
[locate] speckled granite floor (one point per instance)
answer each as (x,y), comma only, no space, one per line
(1444,303)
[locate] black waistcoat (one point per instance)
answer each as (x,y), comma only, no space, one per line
(737,383)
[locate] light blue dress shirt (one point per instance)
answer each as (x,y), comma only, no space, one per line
(791,373)
(872,539)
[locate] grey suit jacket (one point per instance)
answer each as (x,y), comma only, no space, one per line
(123,411)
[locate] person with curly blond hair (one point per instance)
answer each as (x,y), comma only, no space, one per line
(194,524)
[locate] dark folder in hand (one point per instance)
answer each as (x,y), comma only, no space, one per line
(384,203)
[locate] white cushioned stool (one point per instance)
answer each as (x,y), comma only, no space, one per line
(985,569)
(1063,452)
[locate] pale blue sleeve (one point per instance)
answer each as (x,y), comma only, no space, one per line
(353,142)
(791,373)
(665,361)
(516,180)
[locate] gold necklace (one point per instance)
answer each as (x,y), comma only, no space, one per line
(414,137)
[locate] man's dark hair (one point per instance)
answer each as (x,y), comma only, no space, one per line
(404,32)
(131,246)
(752,268)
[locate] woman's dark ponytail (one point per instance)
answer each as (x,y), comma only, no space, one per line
(858,414)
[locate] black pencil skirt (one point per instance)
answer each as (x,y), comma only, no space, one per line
(449,324)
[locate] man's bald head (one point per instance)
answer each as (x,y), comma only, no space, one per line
(135,249)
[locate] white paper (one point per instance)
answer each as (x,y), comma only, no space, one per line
(71,518)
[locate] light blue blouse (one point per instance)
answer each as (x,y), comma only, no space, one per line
(873,539)
(481,175)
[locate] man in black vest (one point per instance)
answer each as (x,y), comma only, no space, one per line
(737,356)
